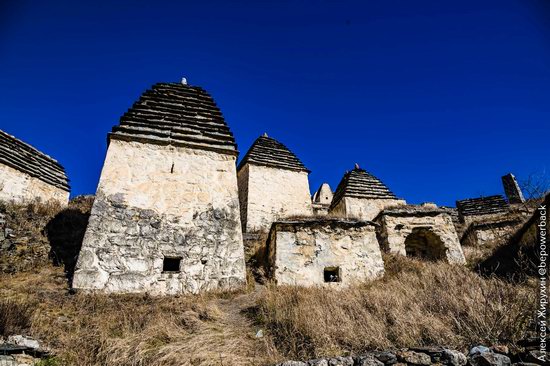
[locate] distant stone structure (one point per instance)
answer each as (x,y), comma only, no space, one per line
(491,219)
(424,231)
(321,200)
(481,232)
(166,215)
(27,174)
(473,209)
(325,251)
(512,190)
(273,184)
(360,195)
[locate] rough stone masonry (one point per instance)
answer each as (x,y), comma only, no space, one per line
(166,215)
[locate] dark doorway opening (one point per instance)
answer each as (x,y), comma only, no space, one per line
(423,243)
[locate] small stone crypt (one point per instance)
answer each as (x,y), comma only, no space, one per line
(27,174)
(323,251)
(166,215)
(491,219)
(360,195)
(345,245)
(273,184)
(425,231)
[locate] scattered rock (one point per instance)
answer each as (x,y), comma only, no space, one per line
(414,358)
(387,358)
(7,360)
(500,349)
(368,361)
(292,363)
(341,361)
(318,362)
(453,358)
(23,341)
(479,350)
(490,359)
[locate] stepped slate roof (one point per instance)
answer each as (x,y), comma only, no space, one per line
(176,114)
(359,183)
(269,152)
(26,159)
(482,206)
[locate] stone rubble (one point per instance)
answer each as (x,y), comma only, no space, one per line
(427,356)
(20,350)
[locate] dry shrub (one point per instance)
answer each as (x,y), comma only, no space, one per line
(30,246)
(416,303)
(15,316)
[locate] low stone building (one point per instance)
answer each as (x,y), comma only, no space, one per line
(360,195)
(479,233)
(420,231)
(273,184)
(326,251)
(321,199)
(27,174)
(482,208)
(492,219)
(166,215)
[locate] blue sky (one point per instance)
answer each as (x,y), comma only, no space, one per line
(436,98)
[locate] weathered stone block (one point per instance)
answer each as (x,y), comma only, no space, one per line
(328,252)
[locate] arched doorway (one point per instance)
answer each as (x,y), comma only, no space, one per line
(423,243)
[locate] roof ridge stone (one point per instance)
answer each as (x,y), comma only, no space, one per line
(27,159)
(267,151)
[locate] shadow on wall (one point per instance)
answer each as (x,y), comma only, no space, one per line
(423,243)
(66,231)
(518,258)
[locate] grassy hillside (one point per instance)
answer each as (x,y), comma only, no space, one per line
(416,303)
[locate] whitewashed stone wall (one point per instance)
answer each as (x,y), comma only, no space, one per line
(394,230)
(163,201)
(18,187)
(362,209)
(268,194)
(300,251)
(479,234)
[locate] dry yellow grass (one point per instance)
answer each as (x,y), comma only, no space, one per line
(86,329)
(417,303)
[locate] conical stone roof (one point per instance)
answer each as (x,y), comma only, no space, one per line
(26,159)
(358,183)
(176,114)
(269,152)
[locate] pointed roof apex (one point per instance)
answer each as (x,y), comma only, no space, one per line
(357,166)
(269,152)
(359,183)
(265,134)
(176,114)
